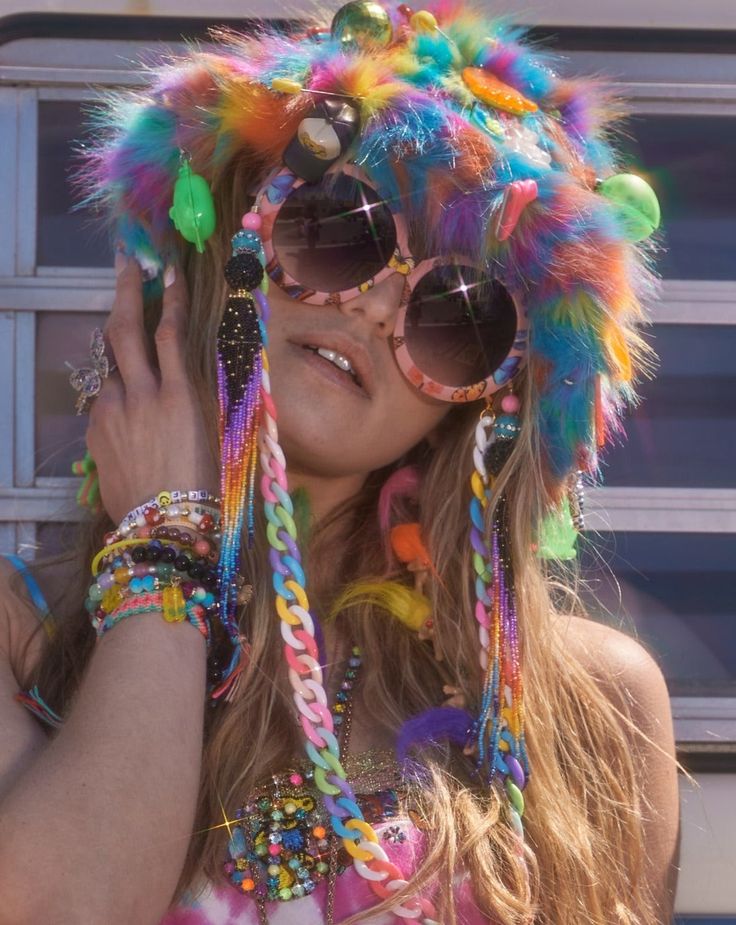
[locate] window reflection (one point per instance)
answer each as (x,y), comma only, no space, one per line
(683,435)
(65,238)
(691,162)
(675,591)
(60,337)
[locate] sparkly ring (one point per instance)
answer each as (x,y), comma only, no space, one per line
(87,380)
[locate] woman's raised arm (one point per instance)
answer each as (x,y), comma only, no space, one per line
(96,825)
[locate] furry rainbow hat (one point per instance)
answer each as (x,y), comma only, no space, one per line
(465,125)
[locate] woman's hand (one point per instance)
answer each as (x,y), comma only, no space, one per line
(146,429)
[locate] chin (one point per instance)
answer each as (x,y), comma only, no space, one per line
(312,438)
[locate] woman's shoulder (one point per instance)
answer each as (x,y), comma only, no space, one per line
(603,648)
(625,670)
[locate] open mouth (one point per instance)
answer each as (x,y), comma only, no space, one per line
(337,359)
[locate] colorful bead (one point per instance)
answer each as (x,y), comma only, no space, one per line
(510,404)
(95,593)
(423,21)
(252,221)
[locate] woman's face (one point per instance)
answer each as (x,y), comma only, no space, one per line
(341,423)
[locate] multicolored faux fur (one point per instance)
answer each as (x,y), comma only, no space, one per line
(429,140)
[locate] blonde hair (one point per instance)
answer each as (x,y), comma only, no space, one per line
(583,857)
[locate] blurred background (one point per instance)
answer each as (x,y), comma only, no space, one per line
(660,546)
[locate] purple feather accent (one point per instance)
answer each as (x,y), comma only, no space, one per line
(439,724)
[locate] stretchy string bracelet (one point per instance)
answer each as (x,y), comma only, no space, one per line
(203,518)
(109,551)
(146,568)
(186,541)
(169,602)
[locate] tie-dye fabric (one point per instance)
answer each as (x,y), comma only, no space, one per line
(402,841)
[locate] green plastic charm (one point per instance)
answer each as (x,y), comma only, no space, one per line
(88,494)
(193,211)
(636,204)
(557,534)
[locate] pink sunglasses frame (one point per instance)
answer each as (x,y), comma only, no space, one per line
(269,201)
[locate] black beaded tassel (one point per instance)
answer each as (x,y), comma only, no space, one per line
(239,372)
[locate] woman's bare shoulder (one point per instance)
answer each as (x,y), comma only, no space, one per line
(625,670)
(633,681)
(601,647)
(607,651)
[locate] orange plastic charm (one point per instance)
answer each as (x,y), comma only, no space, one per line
(489,89)
(406,542)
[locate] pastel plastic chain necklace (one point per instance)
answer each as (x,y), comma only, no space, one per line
(305,672)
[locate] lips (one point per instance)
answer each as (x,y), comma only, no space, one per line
(349,358)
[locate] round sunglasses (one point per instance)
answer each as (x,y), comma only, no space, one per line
(459,334)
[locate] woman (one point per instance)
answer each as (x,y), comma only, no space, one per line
(443,339)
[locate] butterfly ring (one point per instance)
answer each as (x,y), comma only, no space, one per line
(87,380)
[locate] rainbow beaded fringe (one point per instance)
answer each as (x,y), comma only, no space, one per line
(498,732)
(239,372)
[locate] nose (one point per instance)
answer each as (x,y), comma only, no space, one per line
(378,306)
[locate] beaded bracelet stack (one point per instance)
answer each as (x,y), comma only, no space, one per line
(162,558)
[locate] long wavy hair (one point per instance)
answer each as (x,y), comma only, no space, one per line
(583,858)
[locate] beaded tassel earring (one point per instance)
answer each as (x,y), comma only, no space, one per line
(498,732)
(239,374)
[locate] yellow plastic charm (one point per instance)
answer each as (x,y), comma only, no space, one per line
(494,92)
(112,599)
(173,604)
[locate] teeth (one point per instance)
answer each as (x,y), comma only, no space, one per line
(337,358)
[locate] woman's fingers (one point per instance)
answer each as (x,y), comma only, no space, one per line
(105,410)
(124,329)
(171,331)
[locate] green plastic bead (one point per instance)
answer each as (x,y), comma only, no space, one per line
(193,211)
(636,204)
(515,795)
(165,569)
(285,894)
(95,593)
(557,534)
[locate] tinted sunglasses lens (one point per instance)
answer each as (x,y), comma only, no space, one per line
(334,235)
(460,325)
